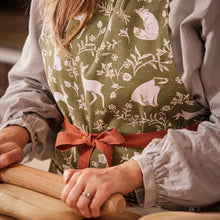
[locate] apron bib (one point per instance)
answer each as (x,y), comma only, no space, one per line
(121,75)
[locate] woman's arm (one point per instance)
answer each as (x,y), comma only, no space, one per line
(28,102)
(183,167)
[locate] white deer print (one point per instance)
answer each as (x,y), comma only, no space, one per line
(62,97)
(151,26)
(147,93)
(92,86)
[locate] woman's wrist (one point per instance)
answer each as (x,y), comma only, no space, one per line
(130,175)
(15,134)
(135,172)
(12,141)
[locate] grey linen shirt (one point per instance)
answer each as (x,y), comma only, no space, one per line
(184,166)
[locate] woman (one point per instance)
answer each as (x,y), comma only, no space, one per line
(107,69)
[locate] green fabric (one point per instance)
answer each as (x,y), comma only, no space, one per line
(121,75)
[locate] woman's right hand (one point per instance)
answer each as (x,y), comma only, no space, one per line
(12,141)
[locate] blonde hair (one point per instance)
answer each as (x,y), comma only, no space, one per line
(57,13)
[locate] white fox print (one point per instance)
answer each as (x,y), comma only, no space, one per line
(151,26)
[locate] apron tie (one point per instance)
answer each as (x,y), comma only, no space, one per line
(73,137)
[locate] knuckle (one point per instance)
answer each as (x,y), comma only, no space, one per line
(95,210)
(94,207)
(83,208)
(105,187)
(80,205)
(96,214)
(63,197)
(86,215)
(76,175)
(20,151)
(70,202)
(84,176)
(6,159)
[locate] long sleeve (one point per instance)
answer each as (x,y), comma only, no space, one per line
(183,167)
(28,101)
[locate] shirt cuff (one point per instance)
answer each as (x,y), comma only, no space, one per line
(149,199)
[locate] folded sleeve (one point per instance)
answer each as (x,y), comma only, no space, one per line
(183,167)
(28,101)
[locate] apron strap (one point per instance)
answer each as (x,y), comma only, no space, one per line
(73,137)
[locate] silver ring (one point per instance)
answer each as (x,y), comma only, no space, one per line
(88,195)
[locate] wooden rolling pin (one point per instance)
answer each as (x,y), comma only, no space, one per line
(52,185)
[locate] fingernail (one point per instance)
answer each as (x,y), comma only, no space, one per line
(65,180)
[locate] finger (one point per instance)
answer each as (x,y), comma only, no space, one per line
(83,203)
(7,147)
(72,191)
(73,197)
(70,184)
(13,156)
(68,173)
(97,202)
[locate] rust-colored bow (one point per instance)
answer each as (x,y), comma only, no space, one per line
(73,137)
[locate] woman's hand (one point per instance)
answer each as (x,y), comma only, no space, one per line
(100,184)
(12,141)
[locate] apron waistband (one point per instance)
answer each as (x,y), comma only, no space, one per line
(73,137)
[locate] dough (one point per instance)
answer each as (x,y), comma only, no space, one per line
(26,204)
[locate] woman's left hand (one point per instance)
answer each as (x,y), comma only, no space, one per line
(100,184)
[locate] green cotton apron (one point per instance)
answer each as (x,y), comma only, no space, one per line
(121,75)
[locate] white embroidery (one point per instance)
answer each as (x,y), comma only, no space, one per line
(121,14)
(57,63)
(95,164)
(102,159)
(124,157)
(124,33)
